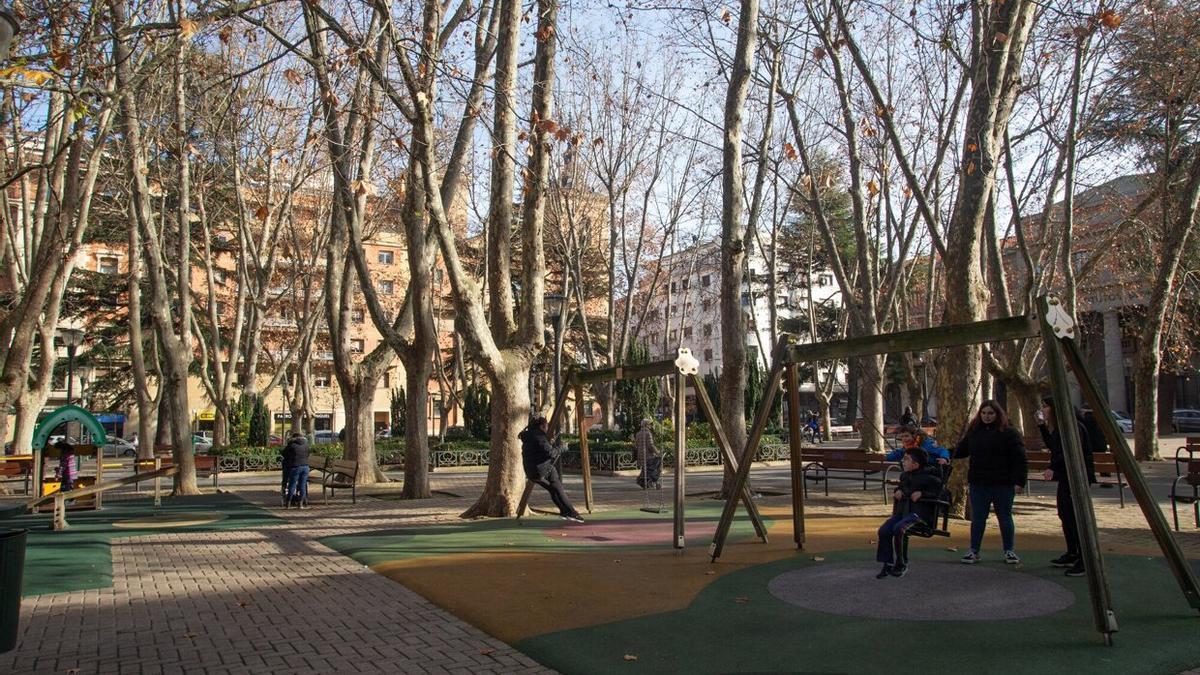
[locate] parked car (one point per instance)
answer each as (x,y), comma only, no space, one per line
(201,444)
(119,447)
(274,439)
(1184,419)
(382,434)
(1123,421)
(324,437)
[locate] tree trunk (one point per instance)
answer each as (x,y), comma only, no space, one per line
(872,404)
(416,433)
(510,415)
(1145,404)
(359,443)
(181,432)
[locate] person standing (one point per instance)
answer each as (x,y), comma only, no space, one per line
(295,455)
(995,476)
(648,455)
(1050,428)
(908,419)
(537,458)
(67,472)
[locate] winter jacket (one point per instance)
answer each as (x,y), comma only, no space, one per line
(535,450)
(1058,461)
(930,447)
(997,456)
(928,481)
(295,453)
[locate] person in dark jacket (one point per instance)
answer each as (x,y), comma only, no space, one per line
(1049,426)
(908,419)
(295,455)
(995,475)
(538,457)
(918,480)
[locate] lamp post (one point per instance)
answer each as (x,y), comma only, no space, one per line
(71,338)
(554,303)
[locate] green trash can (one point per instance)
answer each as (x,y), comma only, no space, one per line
(12,567)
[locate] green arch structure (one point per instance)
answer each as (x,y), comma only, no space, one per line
(68,413)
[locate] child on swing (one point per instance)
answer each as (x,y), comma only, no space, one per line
(917,481)
(912,437)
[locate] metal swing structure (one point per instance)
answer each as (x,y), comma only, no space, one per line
(684,369)
(1056,329)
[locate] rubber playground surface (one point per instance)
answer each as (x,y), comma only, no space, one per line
(612,596)
(80,557)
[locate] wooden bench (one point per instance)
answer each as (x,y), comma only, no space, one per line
(340,474)
(1105,463)
(1189,477)
(844,431)
(206,465)
(847,464)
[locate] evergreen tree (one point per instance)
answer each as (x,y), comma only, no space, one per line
(477,411)
(636,399)
(399,412)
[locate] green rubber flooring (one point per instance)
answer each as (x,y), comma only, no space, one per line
(736,626)
(80,557)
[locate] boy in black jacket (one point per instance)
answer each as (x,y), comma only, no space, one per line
(537,458)
(907,510)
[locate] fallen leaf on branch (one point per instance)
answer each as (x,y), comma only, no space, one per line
(818,558)
(630,657)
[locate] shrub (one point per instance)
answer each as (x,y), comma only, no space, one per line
(477,411)
(458,434)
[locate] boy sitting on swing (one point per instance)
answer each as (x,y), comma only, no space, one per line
(918,480)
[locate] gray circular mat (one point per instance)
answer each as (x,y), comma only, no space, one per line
(931,591)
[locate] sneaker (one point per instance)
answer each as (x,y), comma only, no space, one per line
(970,558)
(1010,558)
(1076,569)
(303,506)
(885,572)
(1064,560)
(574,518)
(899,570)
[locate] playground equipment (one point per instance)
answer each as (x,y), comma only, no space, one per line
(683,367)
(1056,328)
(90,427)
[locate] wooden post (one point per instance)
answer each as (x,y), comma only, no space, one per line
(584,458)
(706,406)
(1052,315)
(99,474)
(1134,476)
(157,482)
(37,470)
(796,450)
(60,512)
(680,455)
(743,468)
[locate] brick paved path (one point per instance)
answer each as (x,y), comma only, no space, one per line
(272,598)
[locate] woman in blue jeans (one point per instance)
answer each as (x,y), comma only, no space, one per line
(995,475)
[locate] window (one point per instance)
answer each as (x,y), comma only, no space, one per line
(708,356)
(706,304)
(825,280)
(653,338)
(588,409)
(706,280)
(674,287)
(674,310)
(387,287)
(357,346)
(708,330)
(386,257)
(321,381)
(385,382)
(687,332)
(674,335)
(108,264)
(220,308)
(356,316)
(685,284)
(220,275)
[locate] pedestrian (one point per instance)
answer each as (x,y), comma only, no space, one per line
(295,455)
(1051,429)
(813,427)
(908,419)
(918,480)
(912,437)
(66,473)
(538,458)
(648,455)
(995,476)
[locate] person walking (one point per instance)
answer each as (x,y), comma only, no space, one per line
(648,455)
(295,455)
(538,457)
(1050,427)
(995,476)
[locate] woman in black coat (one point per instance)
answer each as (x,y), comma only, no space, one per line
(1048,425)
(995,475)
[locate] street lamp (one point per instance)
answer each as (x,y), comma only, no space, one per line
(554,304)
(9,27)
(71,338)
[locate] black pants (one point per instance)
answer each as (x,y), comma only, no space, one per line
(1066,513)
(547,476)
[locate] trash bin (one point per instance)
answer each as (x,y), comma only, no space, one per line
(12,566)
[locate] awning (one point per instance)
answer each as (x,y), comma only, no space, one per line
(110,418)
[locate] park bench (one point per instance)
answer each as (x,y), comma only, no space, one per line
(17,465)
(206,465)
(340,474)
(843,431)
(845,464)
(1107,471)
(1190,477)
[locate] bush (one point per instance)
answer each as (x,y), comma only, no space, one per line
(467,444)
(597,435)
(477,411)
(458,434)
(246,451)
